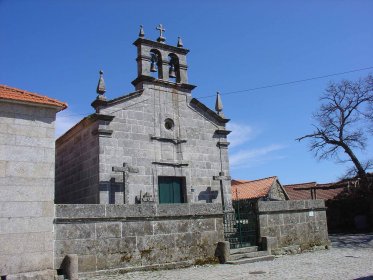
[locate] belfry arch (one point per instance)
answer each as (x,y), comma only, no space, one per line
(174,67)
(161,61)
(156,62)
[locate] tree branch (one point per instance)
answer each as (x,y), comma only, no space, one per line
(339,121)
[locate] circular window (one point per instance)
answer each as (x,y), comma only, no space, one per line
(169,124)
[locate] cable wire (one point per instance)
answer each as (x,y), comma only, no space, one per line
(258,88)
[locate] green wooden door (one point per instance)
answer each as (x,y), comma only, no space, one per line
(170,190)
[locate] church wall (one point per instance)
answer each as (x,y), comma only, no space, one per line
(205,157)
(141,140)
(27,155)
(77,155)
(129,143)
(113,238)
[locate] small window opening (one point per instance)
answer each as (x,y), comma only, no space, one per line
(169,124)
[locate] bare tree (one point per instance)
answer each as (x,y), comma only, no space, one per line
(343,123)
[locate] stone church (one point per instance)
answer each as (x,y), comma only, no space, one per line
(157,144)
(139,184)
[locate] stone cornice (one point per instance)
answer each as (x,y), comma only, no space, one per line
(150,43)
(176,141)
(222,132)
(153,80)
(195,102)
(171,163)
(124,97)
(87,121)
(223,144)
(103,132)
(102,117)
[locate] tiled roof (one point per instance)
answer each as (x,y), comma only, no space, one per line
(244,189)
(320,191)
(299,191)
(10,93)
(329,191)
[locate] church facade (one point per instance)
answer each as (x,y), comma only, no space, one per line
(157,144)
(144,180)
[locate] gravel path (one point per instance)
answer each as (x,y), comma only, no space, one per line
(351,257)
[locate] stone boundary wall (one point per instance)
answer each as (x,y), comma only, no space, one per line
(300,223)
(111,238)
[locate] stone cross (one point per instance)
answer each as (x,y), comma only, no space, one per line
(125,169)
(222,178)
(161,30)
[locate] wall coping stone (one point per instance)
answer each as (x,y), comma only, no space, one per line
(291,211)
(121,212)
(287,206)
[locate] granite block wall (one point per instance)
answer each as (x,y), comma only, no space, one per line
(276,192)
(110,238)
(77,165)
(297,222)
(140,139)
(136,135)
(26,191)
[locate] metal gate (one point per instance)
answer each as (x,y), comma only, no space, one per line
(240,226)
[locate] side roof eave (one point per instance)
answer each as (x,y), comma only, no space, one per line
(200,107)
(16,95)
(123,98)
(86,121)
(58,108)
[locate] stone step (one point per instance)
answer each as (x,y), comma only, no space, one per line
(257,254)
(251,260)
(244,250)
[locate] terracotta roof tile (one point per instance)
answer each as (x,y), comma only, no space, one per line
(323,191)
(10,93)
(244,189)
(329,191)
(300,191)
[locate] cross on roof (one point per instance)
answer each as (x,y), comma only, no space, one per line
(161,30)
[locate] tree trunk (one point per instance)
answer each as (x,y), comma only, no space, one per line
(360,170)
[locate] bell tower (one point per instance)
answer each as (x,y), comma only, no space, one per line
(166,61)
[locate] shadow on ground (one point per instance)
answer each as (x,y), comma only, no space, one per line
(352,241)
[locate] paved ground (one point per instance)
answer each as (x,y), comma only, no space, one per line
(350,258)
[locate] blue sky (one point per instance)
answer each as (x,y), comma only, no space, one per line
(56,48)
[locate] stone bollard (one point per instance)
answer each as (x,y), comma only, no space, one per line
(223,251)
(70,266)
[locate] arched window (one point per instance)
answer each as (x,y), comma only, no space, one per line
(174,70)
(156,64)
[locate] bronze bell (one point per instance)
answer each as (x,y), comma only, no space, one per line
(153,68)
(172,73)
